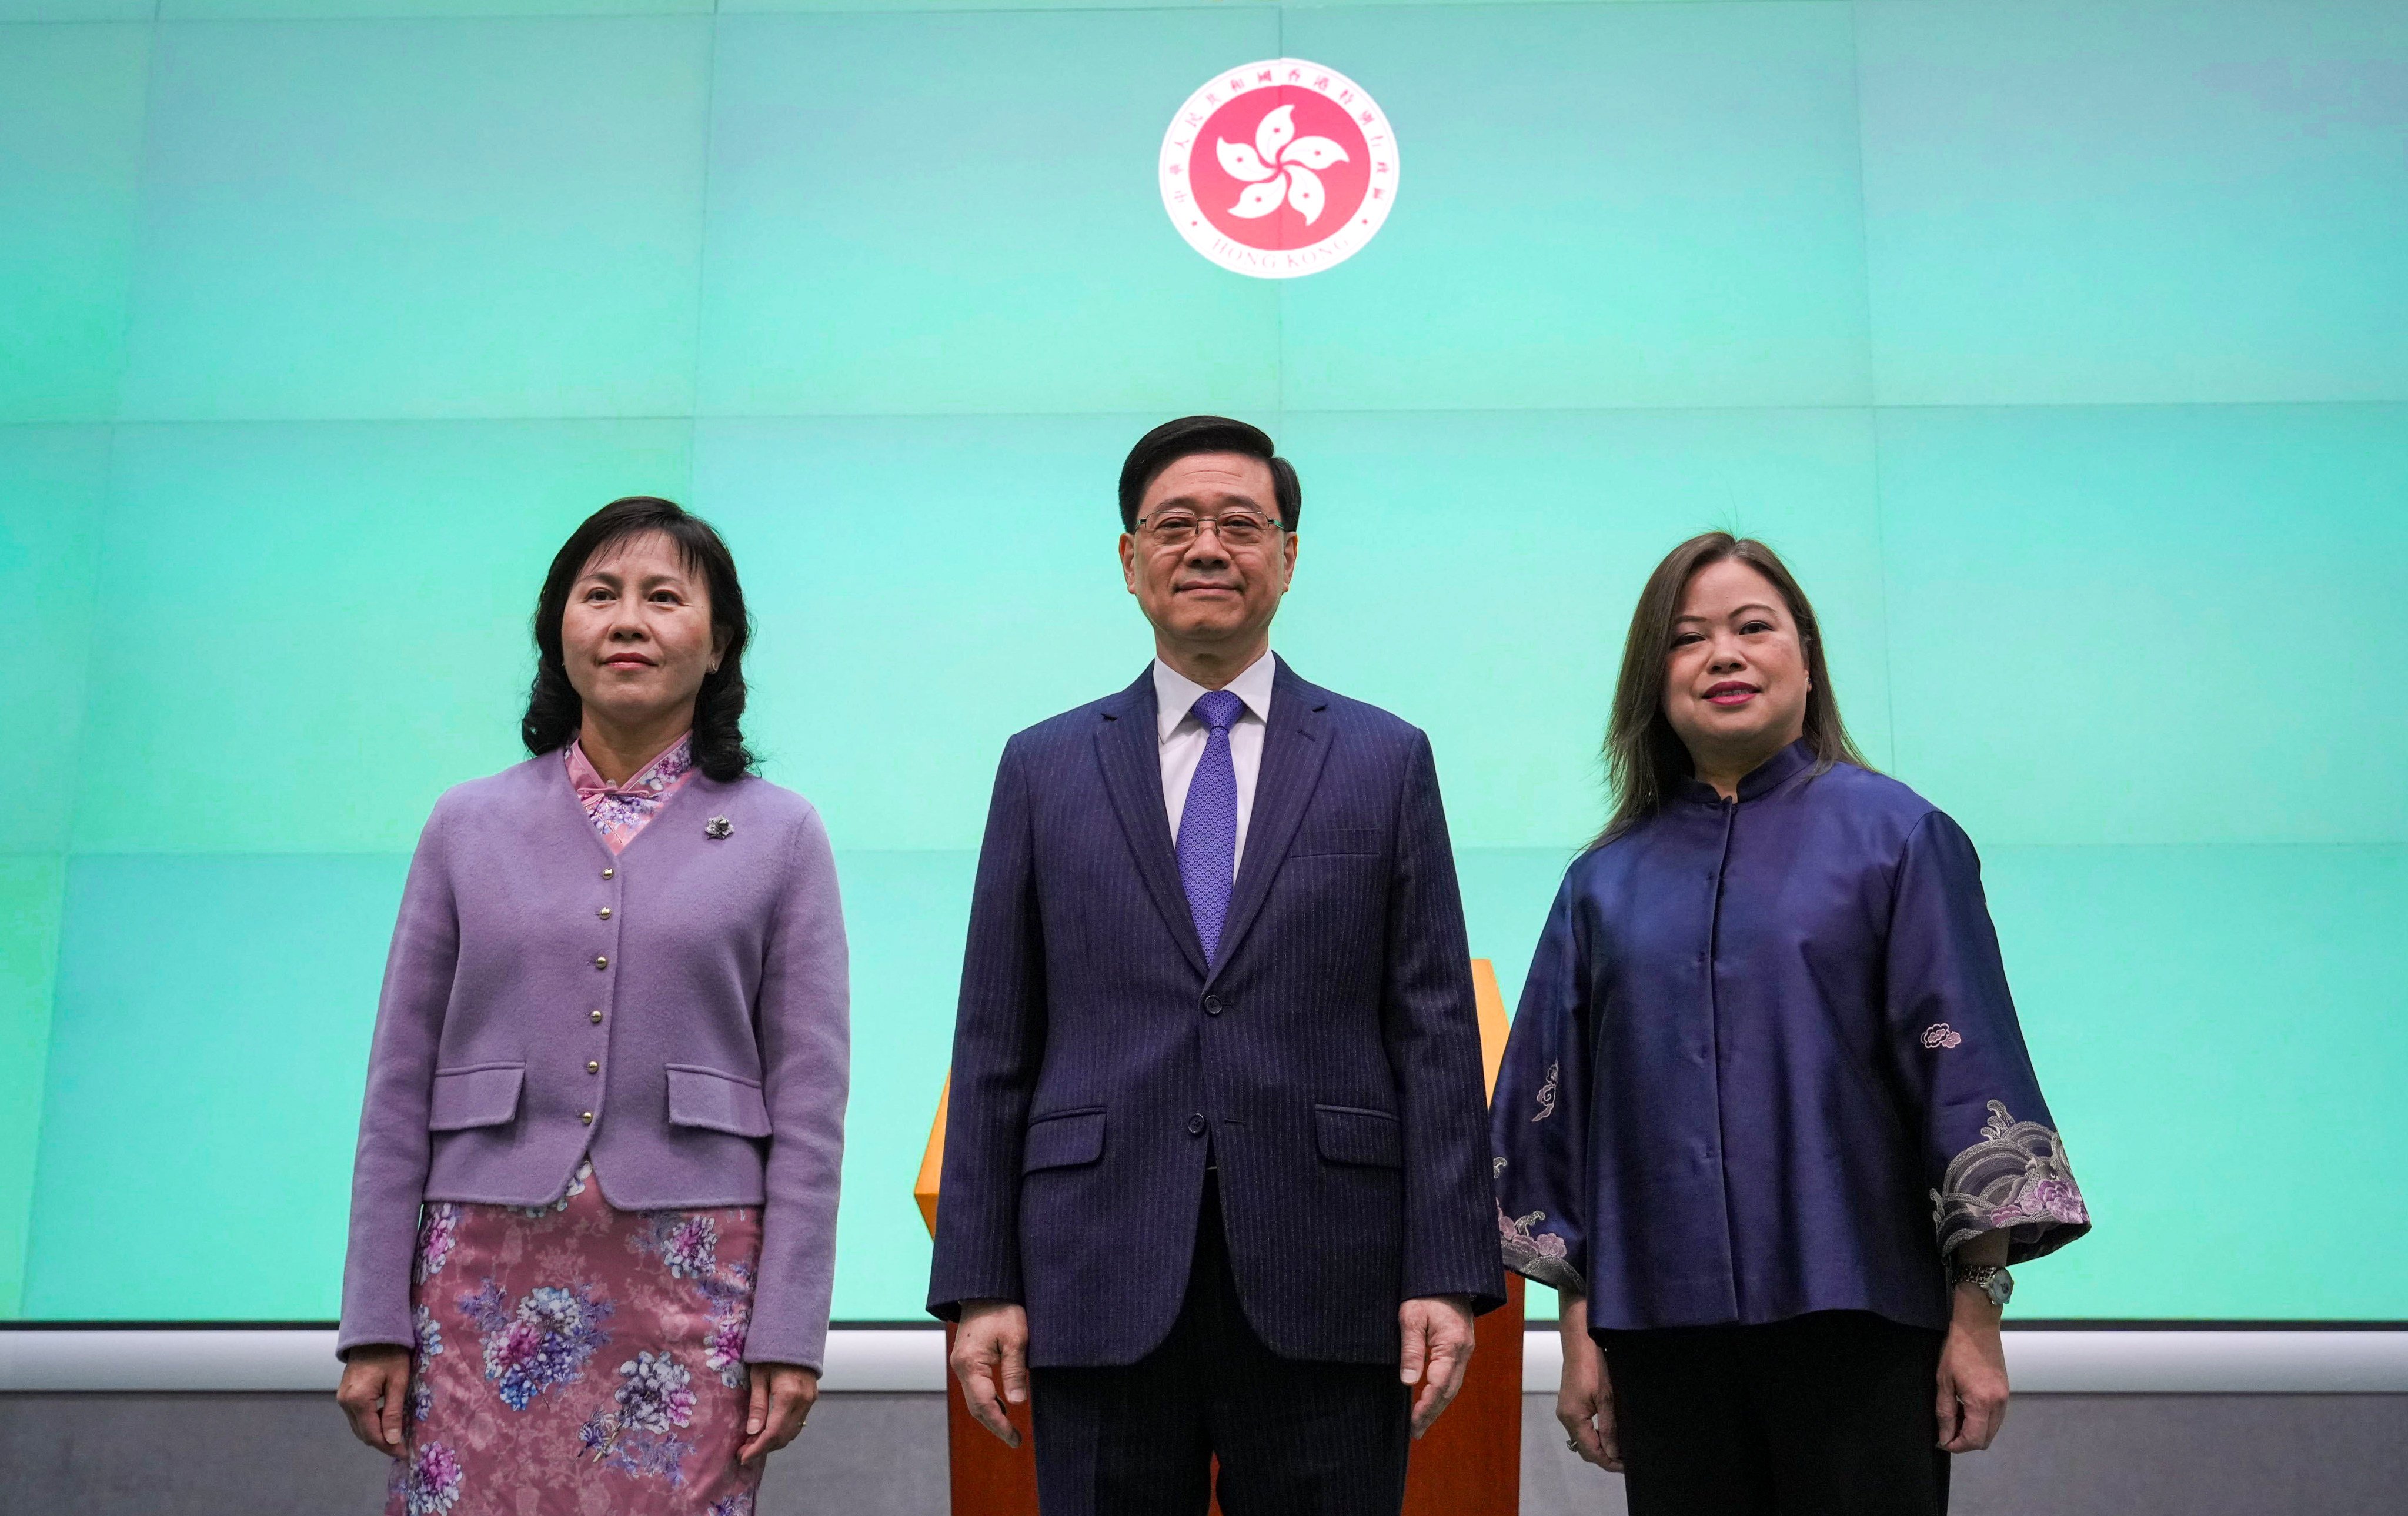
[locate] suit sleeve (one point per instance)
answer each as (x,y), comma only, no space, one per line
(1431,1025)
(1991,1148)
(389,1170)
(998,1047)
(804,1021)
(1539,1121)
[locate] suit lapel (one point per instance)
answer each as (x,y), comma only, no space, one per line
(1295,743)
(1129,746)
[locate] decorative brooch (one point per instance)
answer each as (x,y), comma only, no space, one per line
(717,828)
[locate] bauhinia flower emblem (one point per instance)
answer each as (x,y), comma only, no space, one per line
(1279,166)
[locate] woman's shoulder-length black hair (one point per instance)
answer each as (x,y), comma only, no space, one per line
(1645,760)
(553,711)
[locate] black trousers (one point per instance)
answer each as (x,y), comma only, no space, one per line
(1831,1414)
(1293,1438)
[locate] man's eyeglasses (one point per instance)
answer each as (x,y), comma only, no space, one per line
(1176,528)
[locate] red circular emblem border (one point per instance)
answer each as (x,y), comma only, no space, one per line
(1183,143)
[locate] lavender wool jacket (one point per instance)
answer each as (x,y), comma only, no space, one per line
(704,973)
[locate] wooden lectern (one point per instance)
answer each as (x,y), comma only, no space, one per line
(1470,1463)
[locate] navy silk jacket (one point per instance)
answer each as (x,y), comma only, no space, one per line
(1329,1060)
(1766,1064)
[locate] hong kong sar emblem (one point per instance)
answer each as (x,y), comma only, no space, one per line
(1279,168)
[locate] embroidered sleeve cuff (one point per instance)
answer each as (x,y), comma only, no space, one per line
(2015,1181)
(1537,1255)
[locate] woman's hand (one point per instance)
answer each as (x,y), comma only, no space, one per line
(1973,1375)
(1585,1402)
(376,1384)
(782,1397)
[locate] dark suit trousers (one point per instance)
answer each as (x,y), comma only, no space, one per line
(1293,1438)
(1831,1414)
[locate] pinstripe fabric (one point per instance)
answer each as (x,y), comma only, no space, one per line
(1329,1056)
(1292,1438)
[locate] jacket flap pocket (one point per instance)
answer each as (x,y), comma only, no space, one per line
(1349,1136)
(486,1095)
(1335,842)
(1075,1137)
(717,1102)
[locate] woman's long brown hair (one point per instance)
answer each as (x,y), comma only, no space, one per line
(1645,760)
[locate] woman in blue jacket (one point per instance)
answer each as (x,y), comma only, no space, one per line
(1766,1122)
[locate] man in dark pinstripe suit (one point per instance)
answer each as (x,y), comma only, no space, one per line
(1216,1172)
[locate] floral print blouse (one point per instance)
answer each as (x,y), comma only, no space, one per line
(620,811)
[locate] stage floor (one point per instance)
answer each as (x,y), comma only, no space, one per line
(883,1454)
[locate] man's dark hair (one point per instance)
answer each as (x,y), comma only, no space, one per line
(1191,435)
(553,711)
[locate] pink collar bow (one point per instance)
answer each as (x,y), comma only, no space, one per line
(646,783)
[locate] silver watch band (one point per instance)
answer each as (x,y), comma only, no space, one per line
(1993,1281)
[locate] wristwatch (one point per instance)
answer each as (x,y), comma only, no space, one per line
(1992,1280)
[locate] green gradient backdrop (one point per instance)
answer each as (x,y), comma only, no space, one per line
(2064,347)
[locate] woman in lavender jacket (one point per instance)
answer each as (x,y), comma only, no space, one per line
(594,1210)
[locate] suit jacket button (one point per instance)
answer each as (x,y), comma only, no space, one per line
(1211,1005)
(1196,1125)
(585,1116)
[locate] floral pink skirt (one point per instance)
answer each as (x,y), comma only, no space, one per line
(575,1360)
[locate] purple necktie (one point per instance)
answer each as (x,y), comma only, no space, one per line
(1208,823)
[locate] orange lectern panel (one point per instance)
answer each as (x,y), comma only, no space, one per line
(932,1162)
(1470,1463)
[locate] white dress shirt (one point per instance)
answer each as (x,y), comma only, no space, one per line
(1183,737)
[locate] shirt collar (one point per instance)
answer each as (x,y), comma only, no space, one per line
(1764,778)
(1175,694)
(649,781)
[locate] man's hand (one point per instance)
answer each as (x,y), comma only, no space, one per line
(991,1351)
(1438,1349)
(1584,1400)
(782,1397)
(1973,1375)
(375,1383)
